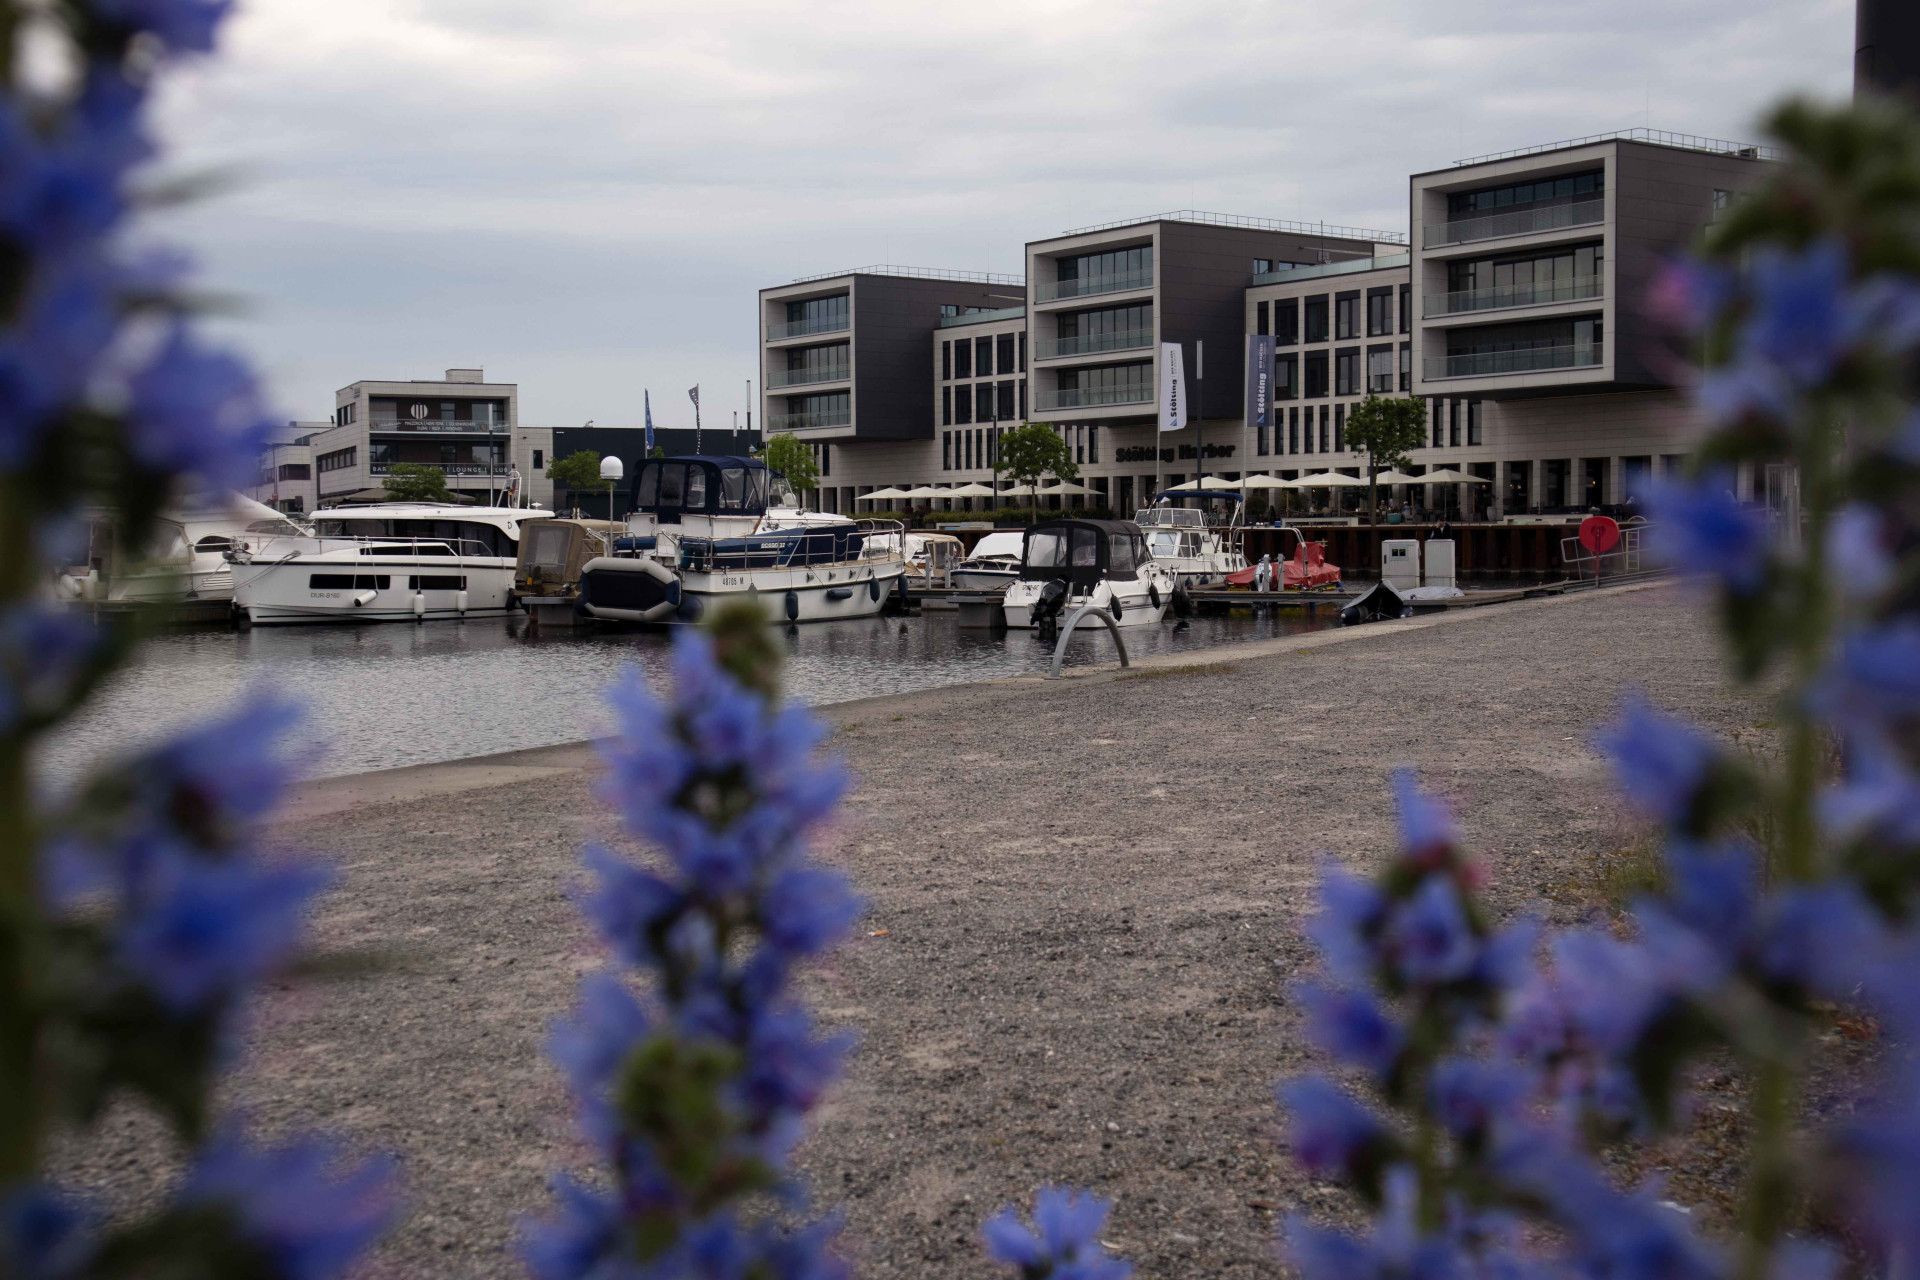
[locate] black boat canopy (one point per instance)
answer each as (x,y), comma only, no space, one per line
(700,484)
(1083,551)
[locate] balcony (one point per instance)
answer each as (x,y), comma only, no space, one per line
(1089,286)
(1500,297)
(782,329)
(437,425)
(446,468)
(1493,364)
(804,421)
(1092,344)
(1520,222)
(805,377)
(1094,397)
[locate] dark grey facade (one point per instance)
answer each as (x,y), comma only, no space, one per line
(1886,56)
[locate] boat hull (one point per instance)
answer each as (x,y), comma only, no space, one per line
(370,590)
(1137,609)
(984,579)
(636,590)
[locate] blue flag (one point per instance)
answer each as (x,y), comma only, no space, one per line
(648,395)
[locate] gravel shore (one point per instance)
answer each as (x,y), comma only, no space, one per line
(1086,907)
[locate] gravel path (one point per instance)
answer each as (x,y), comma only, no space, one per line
(1091,894)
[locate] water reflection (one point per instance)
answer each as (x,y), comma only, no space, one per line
(380,696)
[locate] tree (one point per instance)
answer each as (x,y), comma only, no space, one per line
(1385,428)
(416,482)
(794,460)
(578,470)
(1032,450)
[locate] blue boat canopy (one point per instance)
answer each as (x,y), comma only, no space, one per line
(701,484)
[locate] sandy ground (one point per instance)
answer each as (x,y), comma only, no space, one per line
(1091,894)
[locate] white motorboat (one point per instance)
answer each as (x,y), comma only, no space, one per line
(931,557)
(708,529)
(385,562)
(1068,563)
(1202,555)
(993,563)
(184,563)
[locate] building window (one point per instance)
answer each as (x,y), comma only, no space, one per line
(1102,272)
(963,359)
(963,405)
(1473,422)
(1260,317)
(1379,312)
(817,315)
(1346,372)
(1286,322)
(1293,430)
(1286,376)
(1316,324)
(982,357)
(1406,366)
(946,360)
(1439,408)
(1564,189)
(1346,315)
(1093,444)
(1339,428)
(539,459)
(1003,411)
(1380,370)
(1307,440)
(1003,353)
(1316,380)
(983,402)
(946,406)
(1406,308)
(966,444)
(1453,424)
(1023,351)
(1260,439)
(1324,416)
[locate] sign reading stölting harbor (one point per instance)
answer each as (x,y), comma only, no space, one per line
(1173,388)
(1259,377)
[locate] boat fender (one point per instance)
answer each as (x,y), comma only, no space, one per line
(365,598)
(419,606)
(873,589)
(460,602)
(839,593)
(793,606)
(1114,605)
(1182,601)
(1153,594)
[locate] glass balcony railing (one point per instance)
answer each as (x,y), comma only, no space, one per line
(802,421)
(449,425)
(1519,222)
(1089,344)
(802,377)
(1088,286)
(1491,364)
(1094,397)
(1538,294)
(802,328)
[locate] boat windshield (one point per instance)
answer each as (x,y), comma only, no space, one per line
(1170,518)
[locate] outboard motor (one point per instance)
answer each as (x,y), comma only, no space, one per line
(1048,607)
(1182,601)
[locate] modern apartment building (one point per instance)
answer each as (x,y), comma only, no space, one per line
(461,424)
(980,377)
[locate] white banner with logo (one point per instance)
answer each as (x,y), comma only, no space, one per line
(1173,388)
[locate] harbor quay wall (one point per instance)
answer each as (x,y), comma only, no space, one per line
(1086,902)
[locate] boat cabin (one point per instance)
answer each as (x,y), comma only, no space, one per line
(698,485)
(436,530)
(1083,552)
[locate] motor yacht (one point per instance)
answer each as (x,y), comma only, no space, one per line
(184,562)
(386,562)
(1067,563)
(1181,540)
(707,529)
(993,563)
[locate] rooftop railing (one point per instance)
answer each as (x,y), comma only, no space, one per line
(1088,344)
(1658,137)
(802,328)
(1089,286)
(1093,397)
(1516,222)
(1490,364)
(1251,224)
(1537,294)
(803,377)
(915,273)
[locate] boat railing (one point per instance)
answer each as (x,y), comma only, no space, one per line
(376,544)
(811,546)
(1625,556)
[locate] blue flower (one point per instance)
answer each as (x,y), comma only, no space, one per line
(1859,558)
(1062,1244)
(1701,528)
(1426,828)
(44,652)
(807,909)
(1353,1027)
(583,1239)
(181,26)
(1661,761)
(1351,913)
(1428,937)
(591,1046)
(1877,798)
(196,412)
(204,931)
(1330,1134)
(44,1234)
(1470,1097)
(628,904)
(1873,677)
(302,1204)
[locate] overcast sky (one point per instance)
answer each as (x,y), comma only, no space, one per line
(583,195)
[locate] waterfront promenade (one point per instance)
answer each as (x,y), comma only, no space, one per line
(1086,906)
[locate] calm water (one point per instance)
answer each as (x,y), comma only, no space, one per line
(385,695)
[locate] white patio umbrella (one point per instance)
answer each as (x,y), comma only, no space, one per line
(1329,480)
(971,489)
(882,495)
(1062,487)
(927,491)
(1447,475)
(1267,482)
(1203,483)
(1020,491)
(1397,477)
